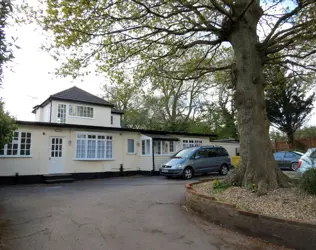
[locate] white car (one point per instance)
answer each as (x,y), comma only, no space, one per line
(308,160)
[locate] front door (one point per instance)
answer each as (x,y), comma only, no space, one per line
(56,155)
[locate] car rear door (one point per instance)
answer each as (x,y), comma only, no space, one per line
(278,156)
(288,158)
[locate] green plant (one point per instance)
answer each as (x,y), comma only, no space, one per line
(308,181)
(220,186)
(252,187)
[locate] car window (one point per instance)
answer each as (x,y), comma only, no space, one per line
(211,152)
(290,155)
(202,153)
(278,155)
(222,152)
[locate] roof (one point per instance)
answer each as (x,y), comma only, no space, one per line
(116,111)
(76,94)
(156,137)
(226,141)
(143,131)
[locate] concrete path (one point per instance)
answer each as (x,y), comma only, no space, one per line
(132,213)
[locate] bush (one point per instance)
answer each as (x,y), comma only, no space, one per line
(220,186)
(308,181)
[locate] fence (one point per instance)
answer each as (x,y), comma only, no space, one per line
(300,144)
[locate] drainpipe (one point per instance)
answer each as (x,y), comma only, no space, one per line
(153,155)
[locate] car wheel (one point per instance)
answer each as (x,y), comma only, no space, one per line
(187,173)
(224,169)
(294,166)
(168,177)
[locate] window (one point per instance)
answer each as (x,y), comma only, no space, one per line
(111,119)
(94,147)
(157,147)
(131,146)
(61,113)
(164,147)
(202,153)
(278,155)
(221,152)
(81,111)
(19,147)
(171,147)
(146,147)
(191,143)
(289,155)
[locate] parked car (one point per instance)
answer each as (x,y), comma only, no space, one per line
(308,160)
(197,160)
(288,159)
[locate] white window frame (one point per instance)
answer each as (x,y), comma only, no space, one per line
(72,107)
(161,149)
(106,140)
(188,143)
(134,143)
(19,142)
(149,141)
(61,106)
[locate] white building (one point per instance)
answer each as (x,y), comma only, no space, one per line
(81,134)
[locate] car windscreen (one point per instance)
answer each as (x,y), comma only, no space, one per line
(184,153)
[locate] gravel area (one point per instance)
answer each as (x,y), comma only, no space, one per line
(289,203)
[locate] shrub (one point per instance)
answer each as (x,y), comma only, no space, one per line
(308,181)
(220,186)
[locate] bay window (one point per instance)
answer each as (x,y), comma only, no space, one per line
(146,147)
(94,147)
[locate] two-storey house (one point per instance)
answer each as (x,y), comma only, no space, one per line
(77,133)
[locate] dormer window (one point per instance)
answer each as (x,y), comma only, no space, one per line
(80,111)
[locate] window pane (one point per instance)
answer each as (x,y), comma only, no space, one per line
(101,149)
(147,147)
(165,147)
(109,149)
(81,149)
(131,146)
(91,153)
(171,147)
(143,147)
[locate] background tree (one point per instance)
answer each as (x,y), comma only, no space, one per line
(7,123)
(182,40)
(288,105)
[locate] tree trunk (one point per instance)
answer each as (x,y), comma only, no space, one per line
(257,165)
(290,139)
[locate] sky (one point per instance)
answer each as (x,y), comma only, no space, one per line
(29,80)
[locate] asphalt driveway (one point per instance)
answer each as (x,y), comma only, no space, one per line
(120,213)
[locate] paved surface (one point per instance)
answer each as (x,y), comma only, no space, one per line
(120,213)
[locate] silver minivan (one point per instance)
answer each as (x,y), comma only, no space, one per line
(197,160)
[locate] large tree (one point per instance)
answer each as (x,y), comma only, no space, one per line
(182,40)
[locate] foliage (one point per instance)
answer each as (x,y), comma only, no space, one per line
(308,181)
(253,188)
(306,132)
(288,105)
(5,47)
(7,126)
(185,41)
(219,186)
